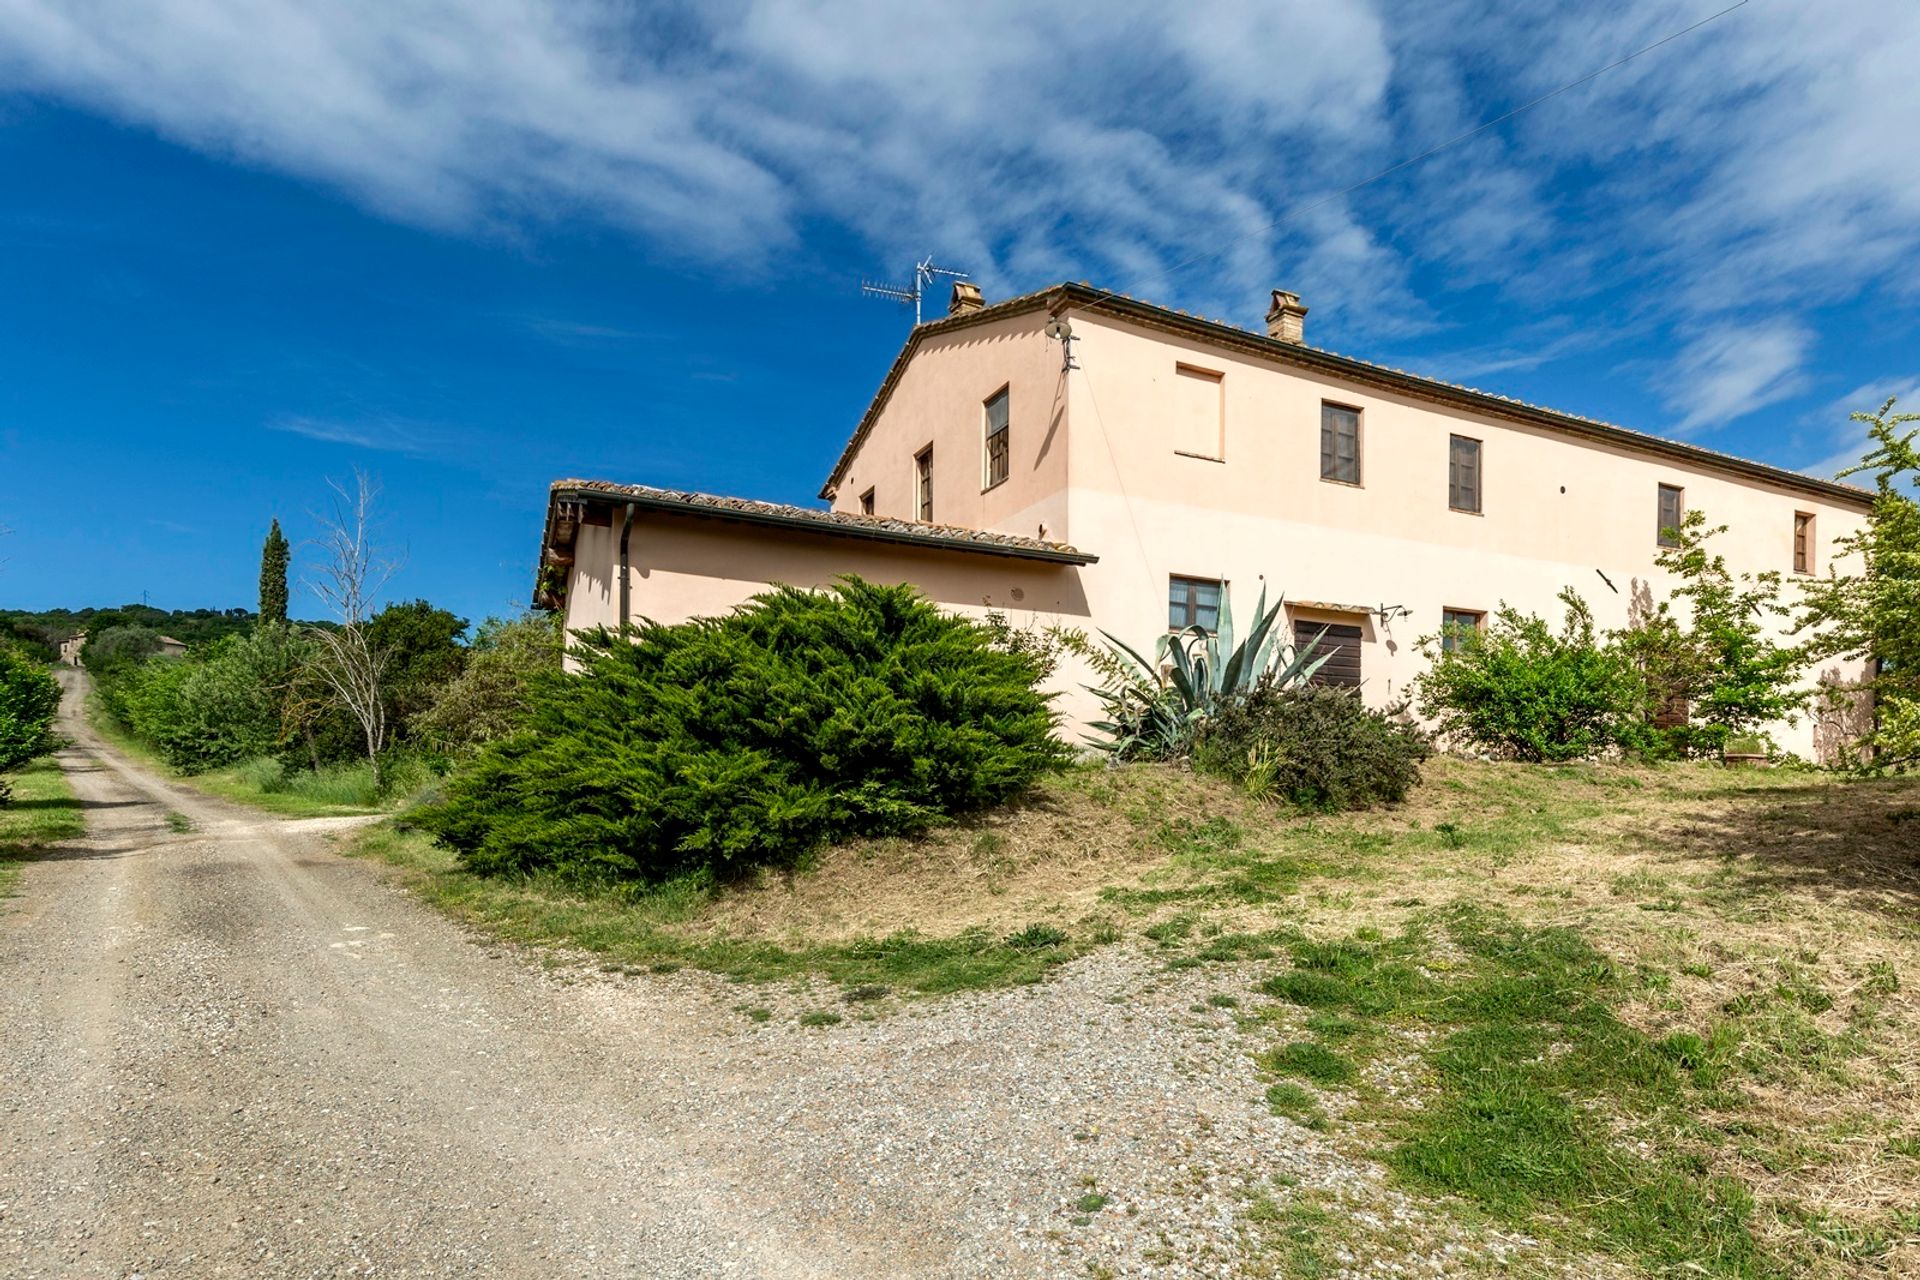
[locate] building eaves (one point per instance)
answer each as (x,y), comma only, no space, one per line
(839,524)
(1085,297)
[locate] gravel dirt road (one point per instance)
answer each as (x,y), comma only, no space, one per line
(232,1052)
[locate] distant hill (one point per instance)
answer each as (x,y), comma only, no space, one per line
(46,628)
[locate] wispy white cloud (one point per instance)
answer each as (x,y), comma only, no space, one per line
(1726,371)
(1693,192)
(385,435)
(1847,440)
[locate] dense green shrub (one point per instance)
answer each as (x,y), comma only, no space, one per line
(1717,657)
(217,707)
(490,696)
(1522,691)
(1315,746)
(727,743)
(29,698)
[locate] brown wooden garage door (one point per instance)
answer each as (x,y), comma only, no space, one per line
(1340,647)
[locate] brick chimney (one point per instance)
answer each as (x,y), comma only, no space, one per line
(966,297)
(1286,318)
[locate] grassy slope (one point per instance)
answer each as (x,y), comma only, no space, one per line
(44,812)
(329,794)
(1657,1014)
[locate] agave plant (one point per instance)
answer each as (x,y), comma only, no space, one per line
(1154,708)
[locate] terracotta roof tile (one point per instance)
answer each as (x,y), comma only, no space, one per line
(841,523)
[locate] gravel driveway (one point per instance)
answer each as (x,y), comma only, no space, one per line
(232,1052)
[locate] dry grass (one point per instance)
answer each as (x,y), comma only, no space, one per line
(1049,858)
(1782,908)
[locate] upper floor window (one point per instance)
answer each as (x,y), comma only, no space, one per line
(1193,602)
(1199,413)
(1463,473)
(1673,511)
(1802,542)
(923,483)
(1458,626)
(1339,443)
(866,503)
(997,448)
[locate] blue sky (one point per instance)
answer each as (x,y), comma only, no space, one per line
(476,246)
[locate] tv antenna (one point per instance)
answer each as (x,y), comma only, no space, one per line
(924,274)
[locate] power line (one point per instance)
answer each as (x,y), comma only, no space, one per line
(1437,148)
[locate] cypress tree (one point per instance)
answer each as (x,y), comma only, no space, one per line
(273,578)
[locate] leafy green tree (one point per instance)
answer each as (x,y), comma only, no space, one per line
(490,696)
(1522,691)
(274,556)
(1719,657)
(115,648)
(222,705)
(29,698)
(726,743)
(1871,612)
(420,654)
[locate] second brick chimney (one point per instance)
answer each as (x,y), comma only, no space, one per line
(1286,318)
(966,297)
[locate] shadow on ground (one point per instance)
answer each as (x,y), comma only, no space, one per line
(1856,842)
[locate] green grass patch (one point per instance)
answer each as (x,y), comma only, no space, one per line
(1540,1094)
(44,813)
(1310,1060)
(1294,1237)
(645,928)
(1296,1103)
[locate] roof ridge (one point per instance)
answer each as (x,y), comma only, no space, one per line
(1120,304)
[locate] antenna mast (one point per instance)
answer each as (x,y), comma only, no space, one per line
(924,274)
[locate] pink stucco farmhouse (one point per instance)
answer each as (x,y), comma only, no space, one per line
(1131,476)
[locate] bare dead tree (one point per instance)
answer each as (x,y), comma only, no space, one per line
(350,574)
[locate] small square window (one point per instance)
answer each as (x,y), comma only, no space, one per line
(1193,602)
(1458,627)
(866,503)
(1802,542)
(1463,474)
(997,446)
(1339,443)
(923,484)
(1673,512)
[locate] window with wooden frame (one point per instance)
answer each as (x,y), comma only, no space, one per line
(1338,643)
(866,503)
(1199,413)
(1193,602)
(1802,542)
(1463,474)
(1339,443)
(997,441)
(1458,627)
(1673,511)
(923,484)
